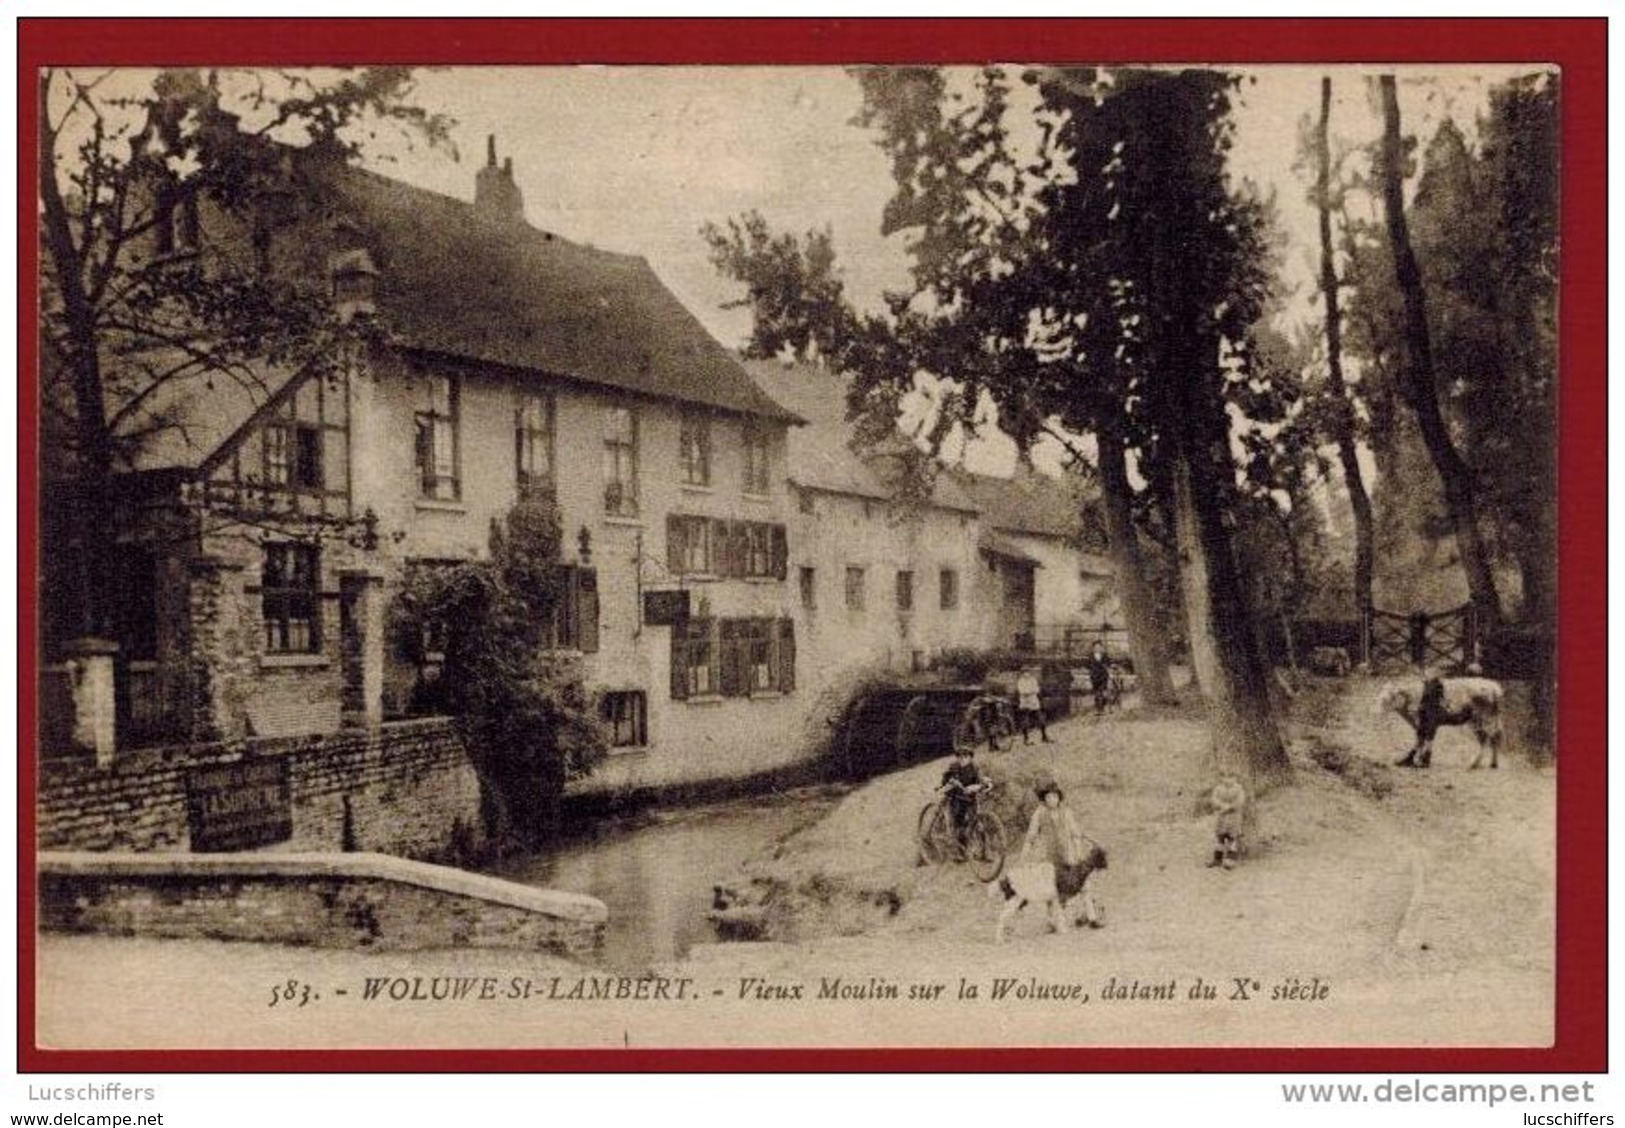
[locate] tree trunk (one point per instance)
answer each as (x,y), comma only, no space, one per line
(1223,651)
(1344,432)
(1148,645)
(1418,376)
(92,505)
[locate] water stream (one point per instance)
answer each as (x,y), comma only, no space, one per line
(655,870)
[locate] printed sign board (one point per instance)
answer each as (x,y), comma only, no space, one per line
(665,608)
(239,806)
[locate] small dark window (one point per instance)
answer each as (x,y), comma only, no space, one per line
(950,589)
(307,458)
(809,588)
(626,716)
(854,589)
(905,591)
(290,594)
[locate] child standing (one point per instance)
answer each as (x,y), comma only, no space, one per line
(1029,705)
(1053,835)
(1229,802)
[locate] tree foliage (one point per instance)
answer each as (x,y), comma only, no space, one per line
(1483,223)
(792,287)
(524,709)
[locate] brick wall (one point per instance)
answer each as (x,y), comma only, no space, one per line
(348,901)
(409,784)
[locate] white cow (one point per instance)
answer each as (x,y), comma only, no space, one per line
(1475,702)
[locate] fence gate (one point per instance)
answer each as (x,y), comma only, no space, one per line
(1446,639)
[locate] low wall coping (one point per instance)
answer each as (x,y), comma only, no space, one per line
(357,866)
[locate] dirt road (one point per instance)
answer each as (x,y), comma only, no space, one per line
(1375,906)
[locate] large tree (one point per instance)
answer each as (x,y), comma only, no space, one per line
(1342,423)
(1418,374)
(1106,285)
(135,296)
(995,286)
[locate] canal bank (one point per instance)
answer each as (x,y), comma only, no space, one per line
(656,868)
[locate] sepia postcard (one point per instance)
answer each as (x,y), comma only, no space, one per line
(741,555)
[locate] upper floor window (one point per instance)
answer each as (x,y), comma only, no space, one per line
(756,467)
(948,589)
(175,228)
(759,549)
(809,588)
(293,456)
(712,546)
(690,545)
(694,448)
(533,442)
(621,463)
(290,599)
(437,437)
(294,461)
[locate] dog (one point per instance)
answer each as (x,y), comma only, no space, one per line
(1053,887)
(1474,702)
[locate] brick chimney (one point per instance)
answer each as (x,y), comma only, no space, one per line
(495,193)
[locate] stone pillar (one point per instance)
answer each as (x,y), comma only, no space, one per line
(95,709)
(361,645)
(216,649)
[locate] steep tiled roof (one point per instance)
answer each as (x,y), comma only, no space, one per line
(820,457)
(1028,502)
(457,281)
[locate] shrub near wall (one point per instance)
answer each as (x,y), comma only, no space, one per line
(410,786)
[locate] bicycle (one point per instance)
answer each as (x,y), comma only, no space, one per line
(982,841)
(989,720)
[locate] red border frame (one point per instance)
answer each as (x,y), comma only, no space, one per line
(1578,45)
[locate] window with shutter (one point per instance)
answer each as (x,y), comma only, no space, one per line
(696,661)
(625,714)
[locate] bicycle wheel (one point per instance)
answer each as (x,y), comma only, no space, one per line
(934,834)
(1001,730)
(987,846)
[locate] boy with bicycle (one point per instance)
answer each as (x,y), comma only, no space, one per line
(961,783)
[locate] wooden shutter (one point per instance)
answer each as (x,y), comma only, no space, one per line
(735,675)
(679,659)
(780,551)
(587,609)
(674,544)
(787,655)
(719,548)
